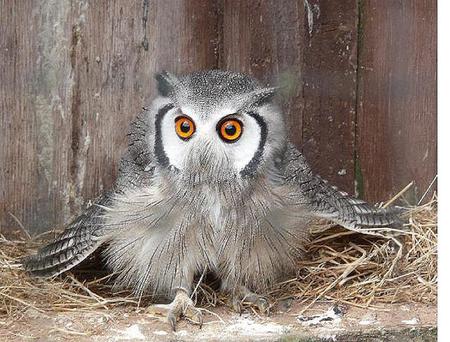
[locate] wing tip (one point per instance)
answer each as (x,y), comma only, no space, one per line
(52,265)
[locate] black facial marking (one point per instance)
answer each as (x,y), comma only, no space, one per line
(160,154)
(251,167)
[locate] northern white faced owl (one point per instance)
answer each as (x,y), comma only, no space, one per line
(209,182)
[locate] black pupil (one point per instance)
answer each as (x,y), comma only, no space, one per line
(185,127)
(230,129)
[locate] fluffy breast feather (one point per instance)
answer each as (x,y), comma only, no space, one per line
(164,234)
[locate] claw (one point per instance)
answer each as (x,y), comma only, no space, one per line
(181,306)
(193,315)
(263,305)
(172,320)
(237,304)
(244,295)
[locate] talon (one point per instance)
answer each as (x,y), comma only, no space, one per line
(237,305)
(194,315)
(172,319)
(245,295)
(181,306)
(263,305)
(201,321)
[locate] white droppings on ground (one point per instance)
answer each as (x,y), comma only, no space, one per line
(412,321)
(244,325)
(133,332)
(369,319)
(181,333)
(328,337)
(160,332)
(331,317)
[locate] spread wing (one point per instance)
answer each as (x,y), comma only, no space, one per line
(325,201)
(85,234)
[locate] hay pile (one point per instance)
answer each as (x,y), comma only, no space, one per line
(342,266)
(362,270)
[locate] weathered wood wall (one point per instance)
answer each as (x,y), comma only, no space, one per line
(361,99)
(396,121)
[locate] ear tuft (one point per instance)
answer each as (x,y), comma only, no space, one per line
(261,97)
(166,83)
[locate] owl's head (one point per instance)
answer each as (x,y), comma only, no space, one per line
(214,126)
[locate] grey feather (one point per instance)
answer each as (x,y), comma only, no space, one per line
(326,201)
(76,243)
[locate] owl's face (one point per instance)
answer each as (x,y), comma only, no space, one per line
(216,126)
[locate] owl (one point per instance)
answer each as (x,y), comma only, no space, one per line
(209,183)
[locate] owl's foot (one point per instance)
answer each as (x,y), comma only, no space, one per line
(181,306)
(244,296)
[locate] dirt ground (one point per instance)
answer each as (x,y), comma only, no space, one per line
(323,322)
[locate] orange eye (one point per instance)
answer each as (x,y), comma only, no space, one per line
(230,130)
(184,127)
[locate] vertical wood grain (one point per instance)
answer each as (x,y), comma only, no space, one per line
(329,89)
(397,97)
(309,47)
(35,117)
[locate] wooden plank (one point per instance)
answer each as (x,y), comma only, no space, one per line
(35,121)
(311,47)
(329,89)
(397,100)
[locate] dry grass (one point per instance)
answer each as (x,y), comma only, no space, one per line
(344,266)
(362,270)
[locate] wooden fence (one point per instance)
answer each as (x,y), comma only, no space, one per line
(361,102)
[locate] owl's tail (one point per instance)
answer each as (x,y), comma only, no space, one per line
(72,246)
